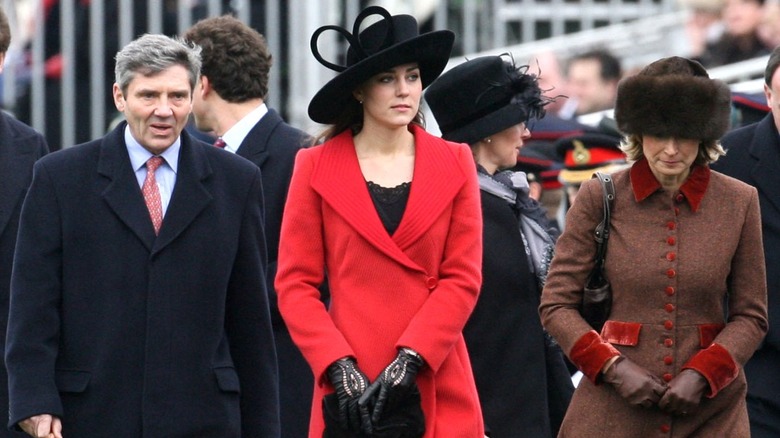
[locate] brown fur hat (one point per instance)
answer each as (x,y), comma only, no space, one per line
(673,97)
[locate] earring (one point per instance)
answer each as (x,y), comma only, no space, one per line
(488,140)
(360,101)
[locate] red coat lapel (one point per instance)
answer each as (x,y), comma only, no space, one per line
(437,178)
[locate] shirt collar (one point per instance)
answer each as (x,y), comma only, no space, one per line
(139,155)
(234,136)
(644,183)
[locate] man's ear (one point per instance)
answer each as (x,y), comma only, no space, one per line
(205,86)
(119,98)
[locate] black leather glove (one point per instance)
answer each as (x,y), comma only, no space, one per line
(634,383)
(684,393)
(395,382)
(350,383)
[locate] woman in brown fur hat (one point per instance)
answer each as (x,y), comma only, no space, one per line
(686,265)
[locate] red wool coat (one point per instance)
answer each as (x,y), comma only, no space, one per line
(414,289)
(677,264)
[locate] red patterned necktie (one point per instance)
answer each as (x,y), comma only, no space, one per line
(220,143)
(152,193)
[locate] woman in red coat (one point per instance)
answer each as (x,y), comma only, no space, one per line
(390,215)
(686,264)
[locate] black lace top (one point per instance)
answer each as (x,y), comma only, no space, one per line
(390,203)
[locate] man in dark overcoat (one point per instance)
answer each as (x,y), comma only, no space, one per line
(20,147)
(753,156)
(138,297)
(229,101)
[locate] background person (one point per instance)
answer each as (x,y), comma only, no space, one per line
(138,299)
(753,153)
(391,213)
(229,101)
(20,147)
(689,309)
(487,103)
(591,83)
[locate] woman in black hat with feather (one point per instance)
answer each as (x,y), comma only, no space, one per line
(522,380)
(390,214)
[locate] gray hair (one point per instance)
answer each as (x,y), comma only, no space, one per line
(151,54)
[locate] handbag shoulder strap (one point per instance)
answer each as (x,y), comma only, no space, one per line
(601,233)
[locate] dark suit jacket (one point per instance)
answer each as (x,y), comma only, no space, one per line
(272,145)
(20,147)
(753,156)
(130,334)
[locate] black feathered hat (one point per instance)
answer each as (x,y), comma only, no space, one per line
(483,96)
(673,97)
(392,41)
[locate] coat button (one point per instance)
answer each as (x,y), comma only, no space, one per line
(671,256)
(668,325)
(669,290)
(431,283)
(671,240)
(668,377)
(671,225)
(669,307)
(669,342)
(668,360)
(665,428)
(679,197)
(671,273)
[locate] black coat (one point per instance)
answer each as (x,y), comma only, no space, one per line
(753,156)
(271,145)
(125,334)
(20,147)
(505,338)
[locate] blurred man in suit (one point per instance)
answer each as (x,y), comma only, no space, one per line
(229,101)
(20,147)
(753,156)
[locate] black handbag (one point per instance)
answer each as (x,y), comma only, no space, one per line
(597,294)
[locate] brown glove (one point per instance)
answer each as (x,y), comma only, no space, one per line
(684,393)
(634,383)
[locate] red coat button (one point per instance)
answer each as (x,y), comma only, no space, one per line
(671,273)
(667,377)
(679,197)
(669,307)
(665,428)
(668,342)
(669,290)
(671,240)
(671,256)
(668,325)
(431,283)
(671,225)
(668,360)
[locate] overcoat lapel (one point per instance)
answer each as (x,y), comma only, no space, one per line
(437,178)
(764,172)
(190,195)
(123,195)
(254,147)
(13,160)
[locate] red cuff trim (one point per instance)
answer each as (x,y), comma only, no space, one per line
(716,365)
(590,353)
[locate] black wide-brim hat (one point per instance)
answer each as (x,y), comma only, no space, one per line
(392,41)
(482,97)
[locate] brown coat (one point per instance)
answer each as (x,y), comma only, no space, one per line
(671,260)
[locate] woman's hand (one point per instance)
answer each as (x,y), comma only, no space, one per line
(396,381)
(634,383)
(684,393)
(350,383)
